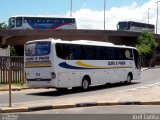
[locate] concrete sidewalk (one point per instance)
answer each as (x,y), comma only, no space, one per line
(147,95)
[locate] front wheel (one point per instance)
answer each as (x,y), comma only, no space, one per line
(128,81)
(85,84)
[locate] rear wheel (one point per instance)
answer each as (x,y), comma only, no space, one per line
(85,84)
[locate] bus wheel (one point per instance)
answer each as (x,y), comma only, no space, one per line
(128,81)
(85,83)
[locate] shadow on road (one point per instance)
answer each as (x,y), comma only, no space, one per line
(55,93)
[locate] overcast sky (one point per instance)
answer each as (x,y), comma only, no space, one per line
(88,13)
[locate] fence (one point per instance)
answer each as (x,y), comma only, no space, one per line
(16,66)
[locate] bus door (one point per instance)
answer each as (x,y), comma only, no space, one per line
(137,67)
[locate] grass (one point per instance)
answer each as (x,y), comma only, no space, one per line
(13,86)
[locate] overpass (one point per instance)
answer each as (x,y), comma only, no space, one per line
(19,37)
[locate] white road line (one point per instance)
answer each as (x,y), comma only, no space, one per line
(141,87)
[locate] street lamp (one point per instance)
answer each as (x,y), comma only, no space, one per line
(71,9)
(104,14)
(157,16)
(148,14)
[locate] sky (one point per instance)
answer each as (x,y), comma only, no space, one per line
(89,14)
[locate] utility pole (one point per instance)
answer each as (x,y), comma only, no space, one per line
(104,14)
(71,8)
(148,15)
(157,17)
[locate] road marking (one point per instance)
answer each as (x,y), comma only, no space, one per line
(141,87)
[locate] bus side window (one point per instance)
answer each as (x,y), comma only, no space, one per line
(111,53)
(78,52)
(18,21)
(89,53)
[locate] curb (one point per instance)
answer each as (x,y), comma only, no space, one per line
(15,89)
(150,103)
(11,110)
(87,104)
(129,103)
(38,108)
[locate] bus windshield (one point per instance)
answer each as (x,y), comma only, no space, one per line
(11,22)
(37,49)
(123,25)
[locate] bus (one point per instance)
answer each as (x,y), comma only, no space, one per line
(60,64)
(30,22)
(135,26)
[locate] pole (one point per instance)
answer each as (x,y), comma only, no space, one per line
(104,14)
(157,17)
(71,9)
(9,80)
(148,15)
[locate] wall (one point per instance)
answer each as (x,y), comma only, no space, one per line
(5,51)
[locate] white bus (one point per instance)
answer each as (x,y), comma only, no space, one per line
(51,63)
(31,22)
(135,26)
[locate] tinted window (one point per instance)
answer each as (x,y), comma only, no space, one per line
(101,53)
(69,51)
(18,21)
(84,52)
(124,54)
(111,53)
(88,52)
(123,26)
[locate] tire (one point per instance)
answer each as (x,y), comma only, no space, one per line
(85,84)
(128,81)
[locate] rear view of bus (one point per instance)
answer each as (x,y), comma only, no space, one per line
(39,71)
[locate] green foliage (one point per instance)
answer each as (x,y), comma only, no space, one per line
(146,43)
(12,51)
(3,25)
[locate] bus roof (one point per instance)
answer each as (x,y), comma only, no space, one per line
(136,22)
(82,42)
(39,16)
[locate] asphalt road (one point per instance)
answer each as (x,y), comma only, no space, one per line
(148,77)
(127,112)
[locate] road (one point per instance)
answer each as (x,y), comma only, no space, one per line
(148,77)
(127,112)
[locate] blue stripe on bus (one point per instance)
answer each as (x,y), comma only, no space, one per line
(65,65)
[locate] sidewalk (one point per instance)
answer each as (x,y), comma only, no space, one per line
(136,96)
(14,87)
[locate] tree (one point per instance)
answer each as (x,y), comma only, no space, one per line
(3,25)
(146,45)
